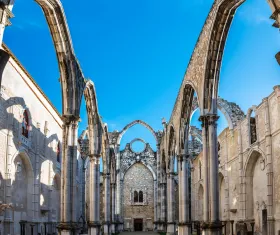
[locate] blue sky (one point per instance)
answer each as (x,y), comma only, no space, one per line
(136,52)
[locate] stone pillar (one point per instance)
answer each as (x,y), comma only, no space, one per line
(118,186)
(37,183)
(268,152)
(107,204)
(113,190)
(84,194)
(163,204)
(94,192)
(170,203)
(242,192)
(211,224)
(5,15)
(8,218)
(68,225)
(157,198)
(184,200)
(205,165)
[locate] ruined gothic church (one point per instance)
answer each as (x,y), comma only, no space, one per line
(53,181)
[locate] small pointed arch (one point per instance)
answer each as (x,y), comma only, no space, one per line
(171,146)
(106,150)
(252,124)
(188,101)
(95,127)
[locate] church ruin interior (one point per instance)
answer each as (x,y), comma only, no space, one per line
(191,181)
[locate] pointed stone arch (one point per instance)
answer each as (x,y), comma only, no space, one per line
(95,128)
(140,122)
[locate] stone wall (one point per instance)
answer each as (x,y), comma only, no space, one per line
(248,173)
(28,164)
(138,178)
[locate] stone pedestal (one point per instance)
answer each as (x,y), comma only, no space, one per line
(184,229)
(107,228)
(212,228)
(171,230)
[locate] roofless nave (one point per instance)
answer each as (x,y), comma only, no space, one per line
(194,181)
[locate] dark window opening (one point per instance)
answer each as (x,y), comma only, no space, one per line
(135,196)
(140,196)
(25,124)
(58,152)
(253,130)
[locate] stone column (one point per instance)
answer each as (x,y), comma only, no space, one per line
(157,199)
(163,204)
(68,225)
(8,218)
(94,192)
(205,164)
(107,203)
(113,190)
(118,186)
(84,194)
(268,152)
(184,216)
(170,203)
(5,15)
(212,226)
(37,183)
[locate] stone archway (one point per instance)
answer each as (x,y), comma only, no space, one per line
(22,190)
(200,205)
(256,189)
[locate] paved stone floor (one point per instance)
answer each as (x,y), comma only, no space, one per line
(138,233)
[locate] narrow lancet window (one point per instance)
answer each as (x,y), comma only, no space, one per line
(25,124)
(140,196)
(135,196)
(253,128)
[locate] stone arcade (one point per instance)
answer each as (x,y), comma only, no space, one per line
(51,181)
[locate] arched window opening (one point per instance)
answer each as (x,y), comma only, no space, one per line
(58,152)
(25,124)
(253,128)
(135,196)
(140,196)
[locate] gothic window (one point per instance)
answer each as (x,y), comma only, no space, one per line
(135,196)
(25,124)
(140,196)
(253,128)
(58,152)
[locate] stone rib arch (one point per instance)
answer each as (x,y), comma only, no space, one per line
(231,111)
(71,76)
(147,166)
(140,122)
(95,128)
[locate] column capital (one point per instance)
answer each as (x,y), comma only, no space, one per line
(95,155)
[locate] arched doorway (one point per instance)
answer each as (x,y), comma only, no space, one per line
(22,191)
(256,191)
